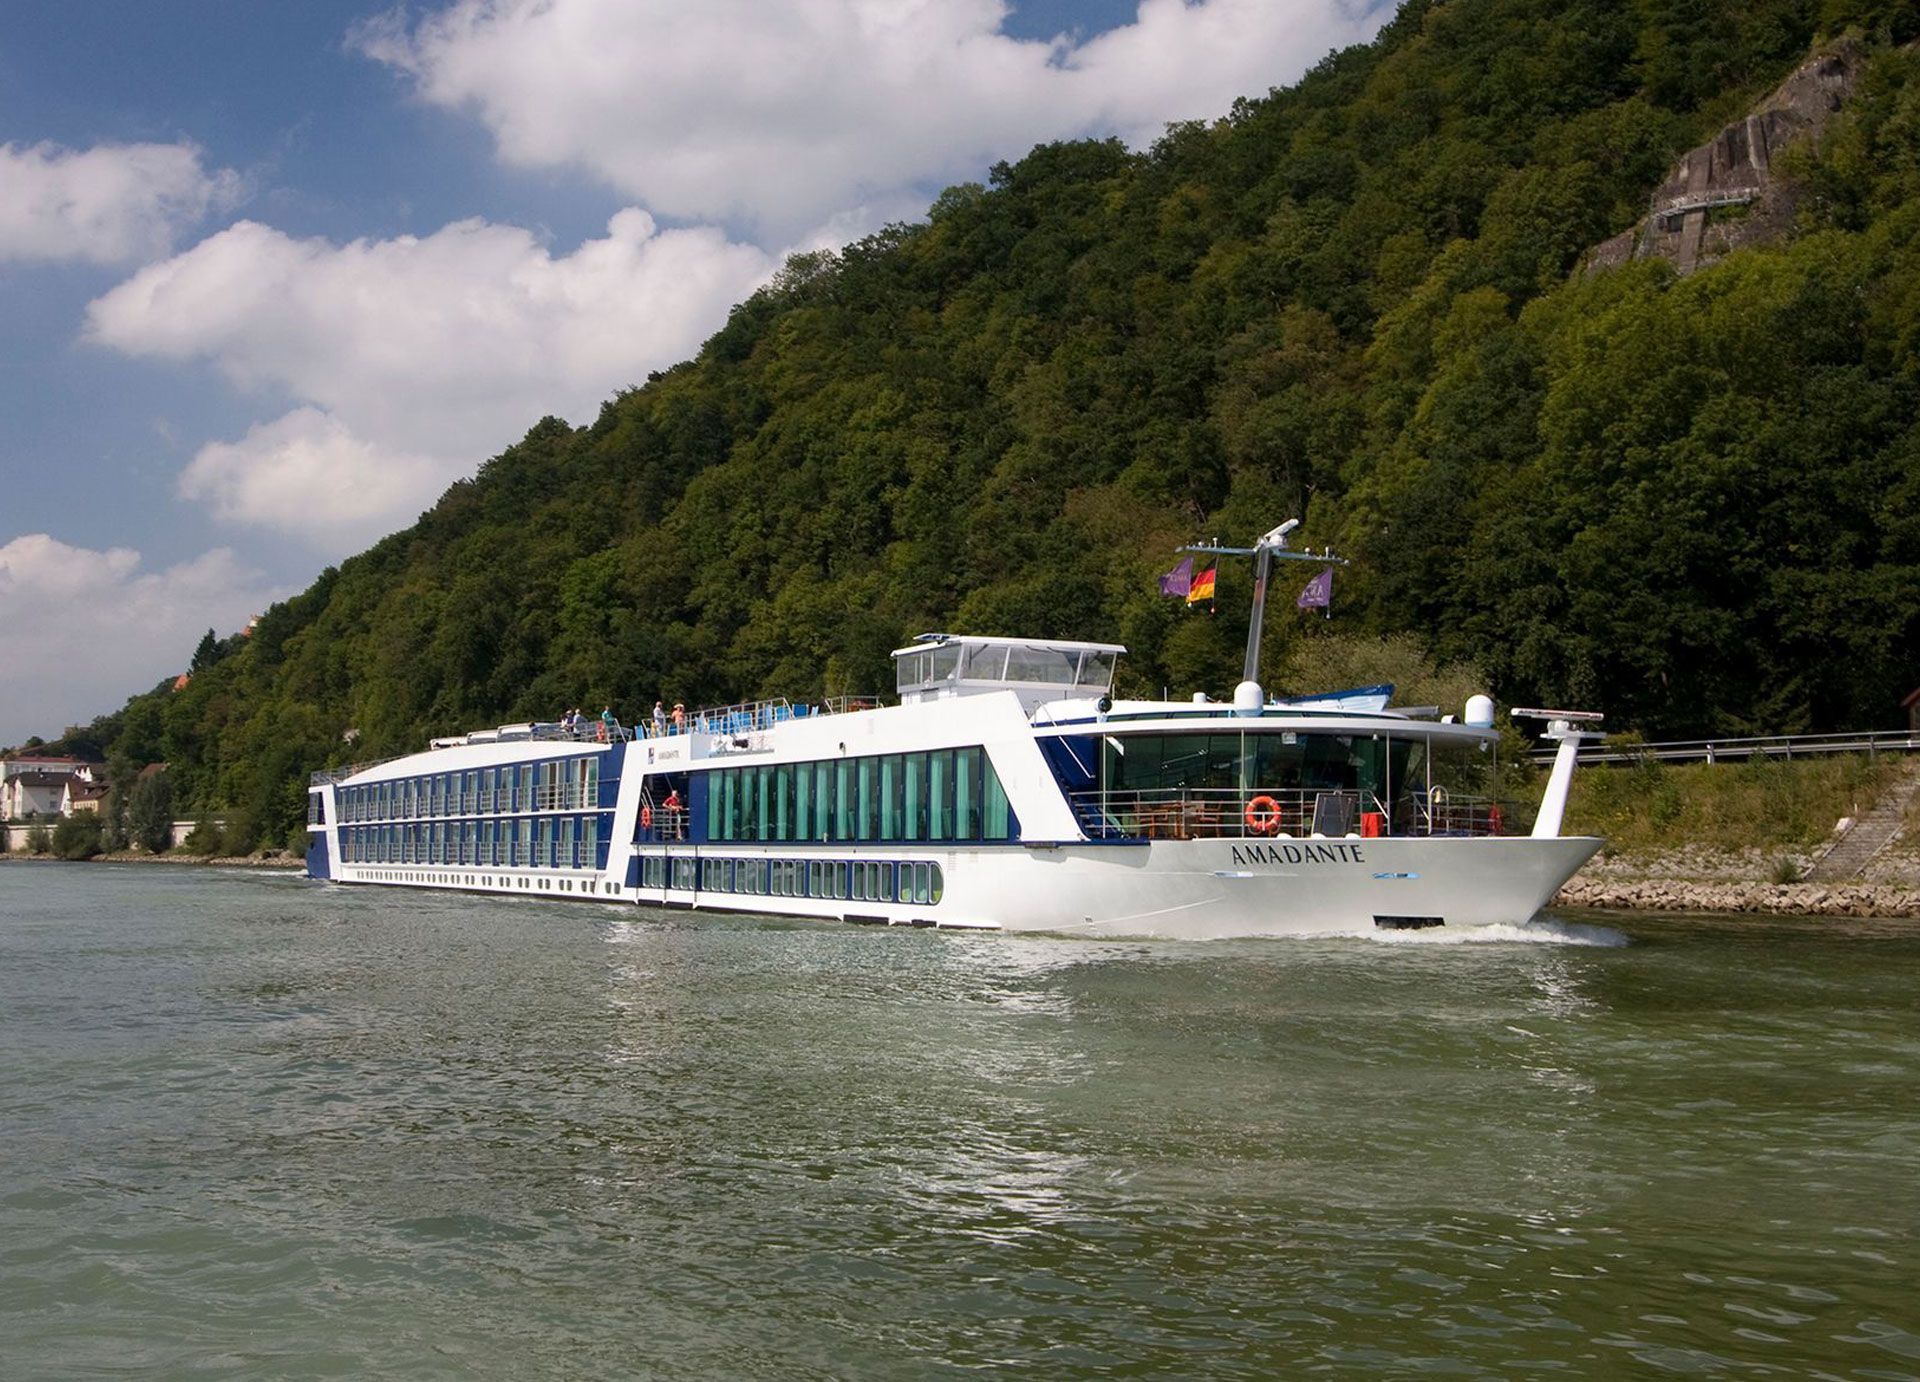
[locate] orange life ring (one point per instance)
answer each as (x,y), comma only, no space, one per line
(646,816)
(1263,815)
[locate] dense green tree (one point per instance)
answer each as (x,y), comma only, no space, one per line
(205,654)
(150,812)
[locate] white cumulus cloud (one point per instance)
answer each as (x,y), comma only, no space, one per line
(414,357)
(786,114)
(309,471)
(81,630)
(107,204)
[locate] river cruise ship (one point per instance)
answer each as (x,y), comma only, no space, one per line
(1005,789)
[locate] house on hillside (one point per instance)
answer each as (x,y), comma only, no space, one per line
(33,793)
(82,793)
(1912,706)
(33,785)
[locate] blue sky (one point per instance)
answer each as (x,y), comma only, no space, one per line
(273,274)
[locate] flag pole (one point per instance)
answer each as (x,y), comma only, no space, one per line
(1270,548)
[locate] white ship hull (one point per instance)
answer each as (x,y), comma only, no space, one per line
(1188,890)
(1213,889)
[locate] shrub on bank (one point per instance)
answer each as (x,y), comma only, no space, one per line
(241,836)
(77,837)
(39,839)
(1762,803)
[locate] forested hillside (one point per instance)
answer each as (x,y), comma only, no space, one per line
(1693,503)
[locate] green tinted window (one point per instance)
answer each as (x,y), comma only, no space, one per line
(869,816)
(998,824)
(843,800)
(913,798)
(803,801)
(940,795)
(966,794)
(890,797)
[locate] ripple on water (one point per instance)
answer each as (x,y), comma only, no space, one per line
(253,1127)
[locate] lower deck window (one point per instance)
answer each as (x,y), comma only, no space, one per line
(914,882)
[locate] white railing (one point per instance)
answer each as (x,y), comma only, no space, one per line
(1299,813)
(588,731)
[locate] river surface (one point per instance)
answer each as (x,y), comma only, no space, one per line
(255,1126)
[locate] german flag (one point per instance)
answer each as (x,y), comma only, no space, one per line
(1202,587)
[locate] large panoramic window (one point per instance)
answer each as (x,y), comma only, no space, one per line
(1244,762)
(946,796)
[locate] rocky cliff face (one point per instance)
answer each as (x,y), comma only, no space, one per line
(1724,194)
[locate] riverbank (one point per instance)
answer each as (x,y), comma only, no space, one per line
(244,861)
(1753,832)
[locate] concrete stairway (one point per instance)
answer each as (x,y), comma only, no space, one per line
(1871,833)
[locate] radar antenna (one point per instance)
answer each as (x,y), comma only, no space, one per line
(1270,548)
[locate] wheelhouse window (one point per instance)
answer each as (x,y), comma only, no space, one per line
(1245,762)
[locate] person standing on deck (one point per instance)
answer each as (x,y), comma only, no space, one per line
(679,718)
(607,723)
(659,720)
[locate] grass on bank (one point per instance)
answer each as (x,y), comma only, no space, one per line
(1763,803)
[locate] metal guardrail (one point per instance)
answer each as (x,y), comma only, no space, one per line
(1284,813)
(1785,746)
(745,718)
(751,716)
(588,731)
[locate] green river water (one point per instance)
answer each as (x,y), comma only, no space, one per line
(254,1126)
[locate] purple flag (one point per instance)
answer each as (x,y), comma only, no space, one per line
(1179,580)
(1319,591)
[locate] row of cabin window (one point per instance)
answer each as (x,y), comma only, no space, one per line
(846,880)
(563,842)
(944,795)
(555,784)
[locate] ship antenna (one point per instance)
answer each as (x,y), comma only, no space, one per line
(1271,546)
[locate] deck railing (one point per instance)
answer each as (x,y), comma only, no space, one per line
(749,717)
(586,732)
(1259,814)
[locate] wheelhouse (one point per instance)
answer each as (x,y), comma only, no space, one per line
(1285,776)
(942,666)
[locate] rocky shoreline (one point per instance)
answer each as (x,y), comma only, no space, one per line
(1799,899)
(1703,880)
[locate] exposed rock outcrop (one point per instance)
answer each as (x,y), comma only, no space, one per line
(1725,194)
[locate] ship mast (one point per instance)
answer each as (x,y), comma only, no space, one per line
(1270,548)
